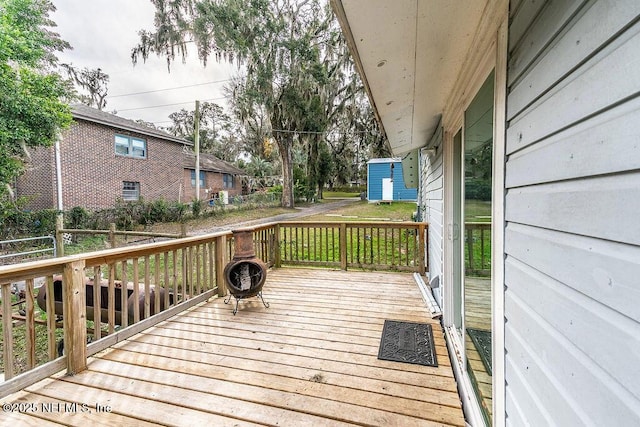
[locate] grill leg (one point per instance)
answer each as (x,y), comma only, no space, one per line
(266,304)
(228,299)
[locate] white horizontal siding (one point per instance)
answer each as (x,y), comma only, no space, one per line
(560,373)
(578,318)
(534,27)
(432,197)
(606,207)
(605,144)
(572,239)
(608,78)
(602,270)
(580,40)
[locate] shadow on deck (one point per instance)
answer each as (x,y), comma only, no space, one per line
(309,359)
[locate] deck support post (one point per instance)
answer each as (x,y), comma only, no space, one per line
(59,236)
(75,317)
(221,261)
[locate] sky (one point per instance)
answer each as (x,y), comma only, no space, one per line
(102,34)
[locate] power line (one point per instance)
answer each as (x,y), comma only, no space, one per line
(169,105)
(169,88)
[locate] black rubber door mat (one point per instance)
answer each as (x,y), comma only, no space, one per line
(482,341)
(407,342)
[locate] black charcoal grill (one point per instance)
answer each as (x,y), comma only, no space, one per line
(245,274)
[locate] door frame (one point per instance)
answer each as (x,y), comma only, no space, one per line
(493,56)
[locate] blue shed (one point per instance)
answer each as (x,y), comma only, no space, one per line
(385,181)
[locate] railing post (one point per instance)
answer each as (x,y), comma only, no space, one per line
(276,249)
(75,317)
(183,230)
(343,245)
(421,249)
(221,261)
(59,236)
(112,235)
(7,333)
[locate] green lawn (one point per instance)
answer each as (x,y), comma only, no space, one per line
(365,211)
(477,211)
(338,194)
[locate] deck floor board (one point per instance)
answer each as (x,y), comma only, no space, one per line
(309,359)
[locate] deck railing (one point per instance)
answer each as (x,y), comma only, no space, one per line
(478,248)
(142,285)
(396,246)
(135,283)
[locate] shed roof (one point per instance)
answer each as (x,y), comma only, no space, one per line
(209,162)
(90,114)
(386,160)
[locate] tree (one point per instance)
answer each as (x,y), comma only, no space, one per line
(325,167)
(95,82)
(218,132)
(32,107)
(278,42)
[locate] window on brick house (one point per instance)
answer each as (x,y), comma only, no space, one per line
(227,180)
(130,191)
(131,147)
(193,179)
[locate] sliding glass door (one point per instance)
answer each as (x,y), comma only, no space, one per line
(475,186)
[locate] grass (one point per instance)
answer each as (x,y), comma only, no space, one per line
(365,211)
(338,194)
(477,211)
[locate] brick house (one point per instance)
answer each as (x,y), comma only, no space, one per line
(104,157)
(215,175)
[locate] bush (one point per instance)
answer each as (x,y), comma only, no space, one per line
(77,217)
(357,189)
(18,222)
(197,206)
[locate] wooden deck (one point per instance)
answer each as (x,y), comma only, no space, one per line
(309,359)
(478,316)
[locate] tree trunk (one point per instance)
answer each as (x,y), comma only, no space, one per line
(284,145)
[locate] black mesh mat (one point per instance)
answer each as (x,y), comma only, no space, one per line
(482,341)
(407,342)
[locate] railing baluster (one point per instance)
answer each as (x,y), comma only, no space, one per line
(97,288)
(111,298)
(211,260)
(136,292)
(157,286)
(30,326)
(147,288)
(198,270)
(51,320)
(167,289)
(183,253)
(124,307)
(7,331)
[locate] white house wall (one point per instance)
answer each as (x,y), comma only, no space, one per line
(572,237)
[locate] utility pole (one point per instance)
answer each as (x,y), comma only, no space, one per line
(196,147)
